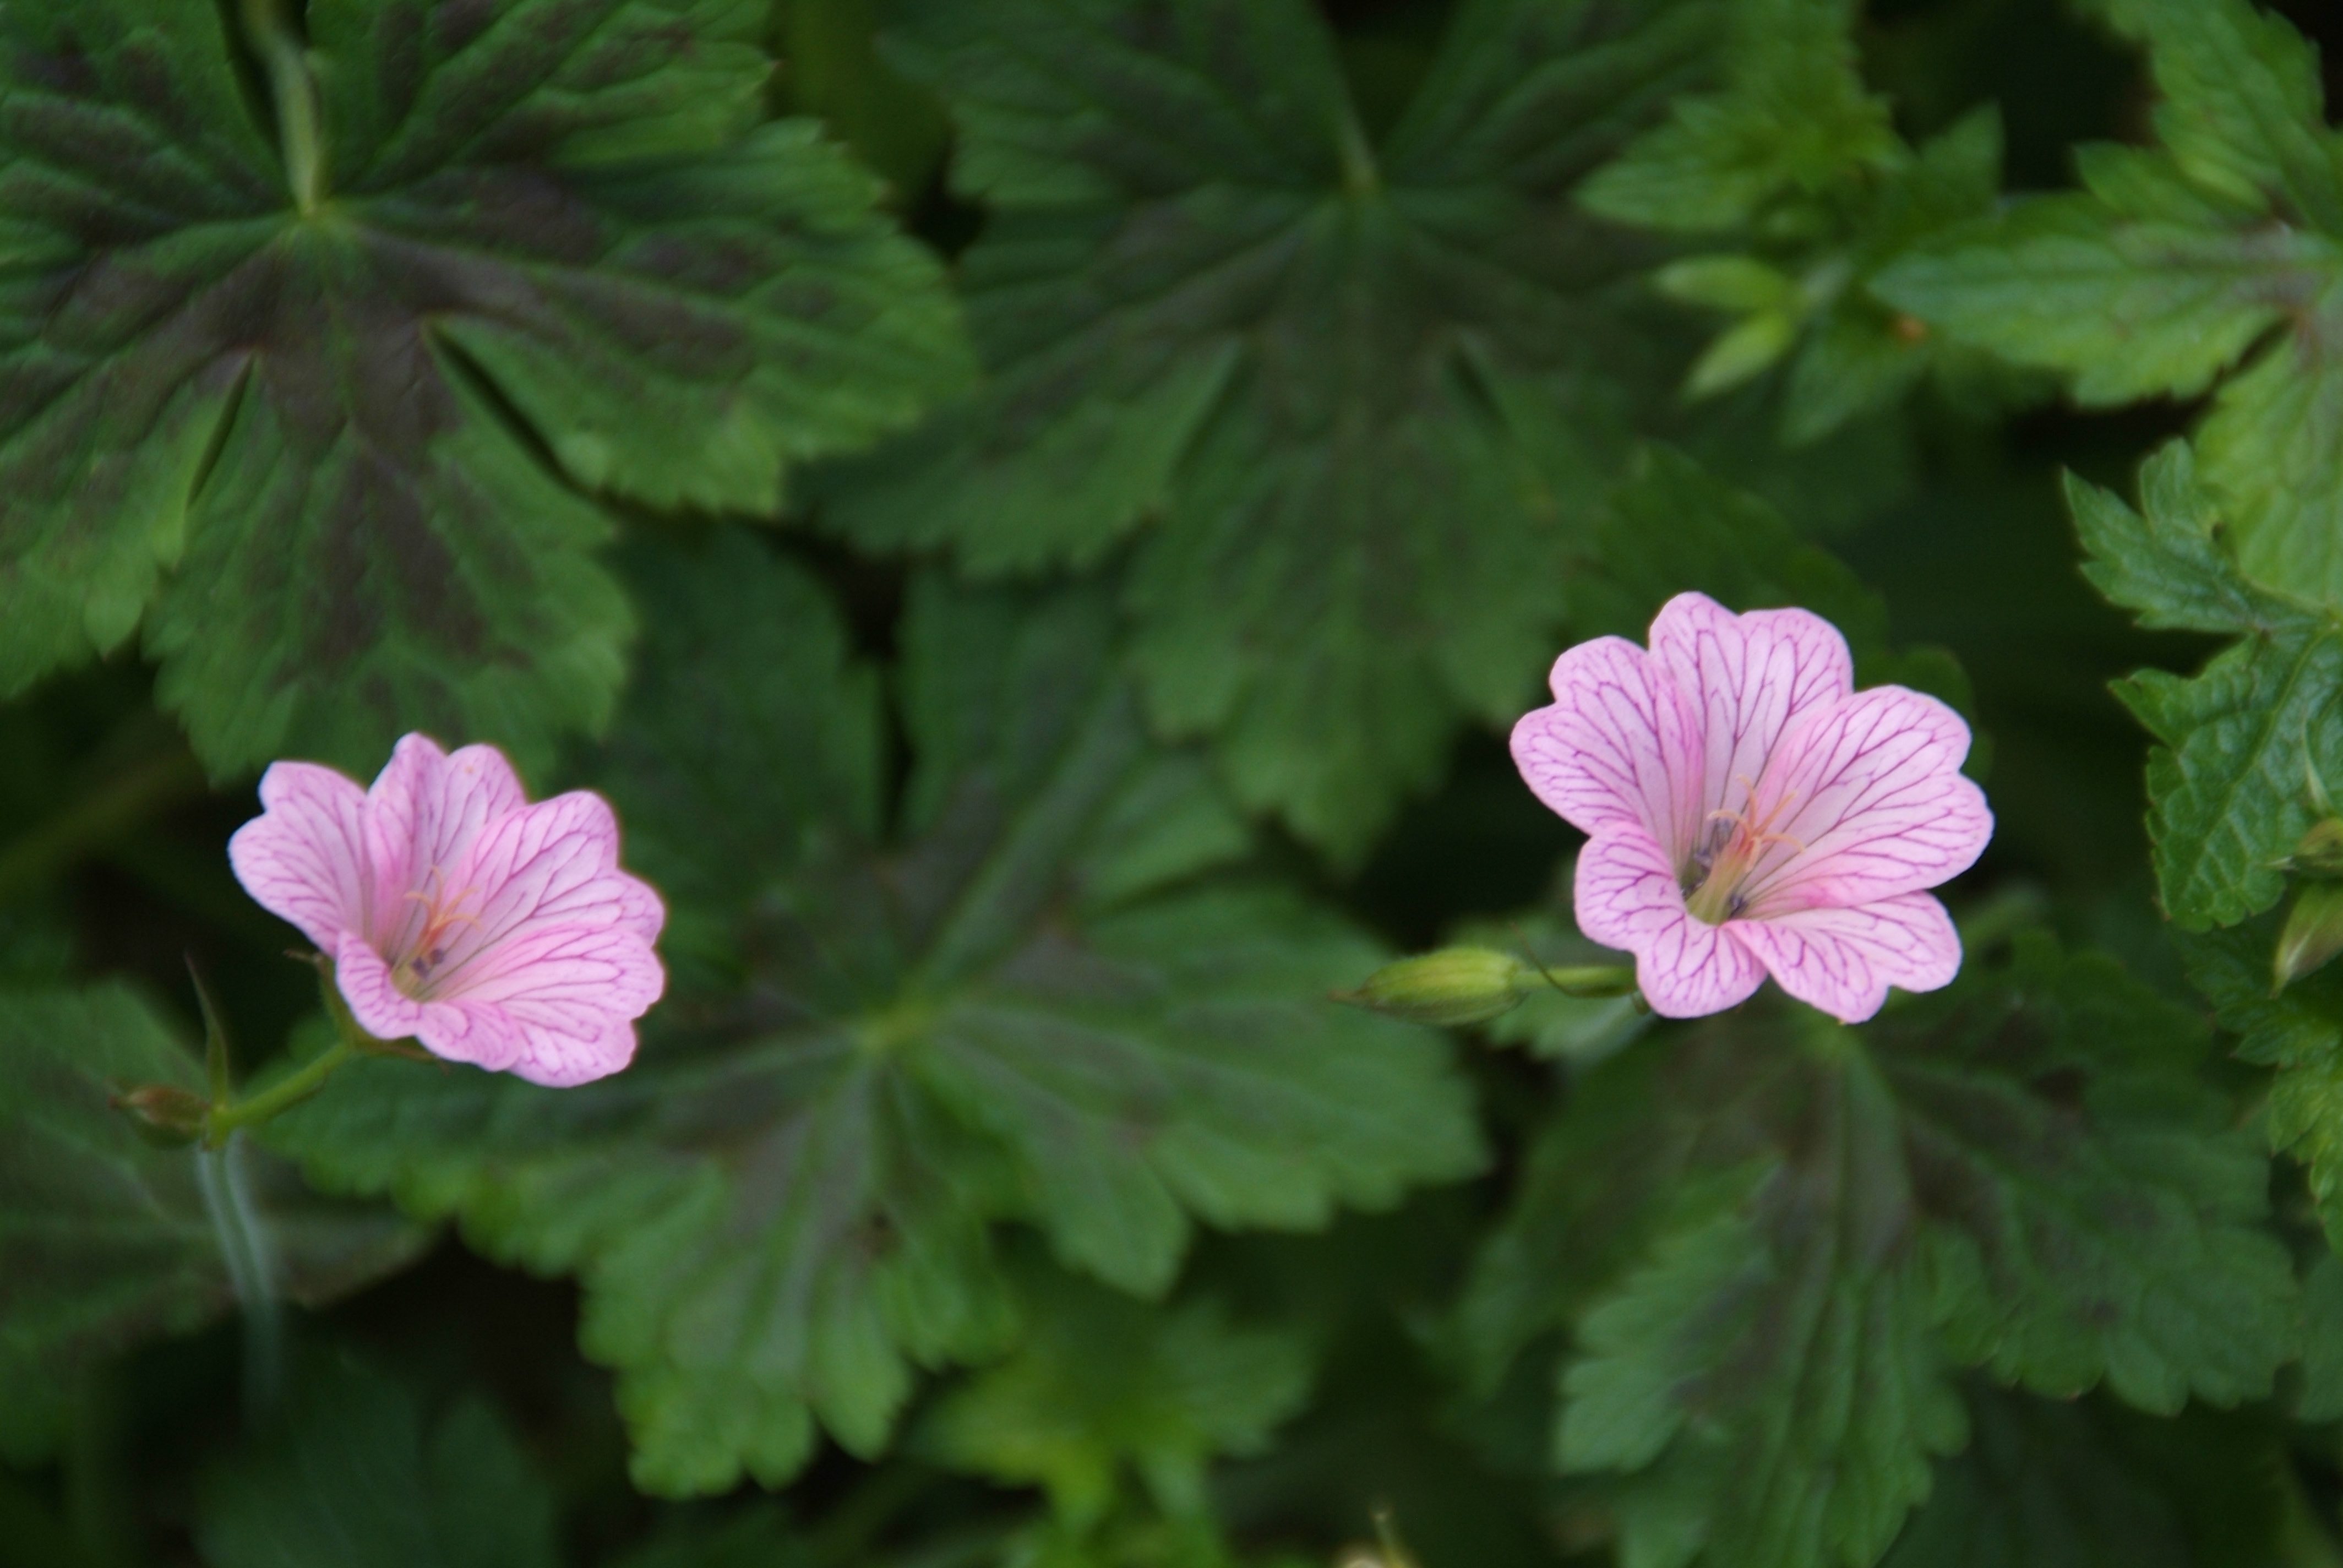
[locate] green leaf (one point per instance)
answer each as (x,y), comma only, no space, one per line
(2298,1033)
(2165,562)
(2217,257)
(2041,1486)
(1670,527)
(355,1477)
(1774,1241)
(1341,400)
(1793,119)
(1019,1005)
(2247,743)
(105,1240)
(1768,1378)
(1594,1185)
(832,68)
(1102,1382)
(1860,356)
(1796,160)
(330,452)
(2321,1395)
(2243,115)
(2092,1213)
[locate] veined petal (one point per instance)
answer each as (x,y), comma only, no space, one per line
(304,858)
(549,1015)
(552,864)
(1843,960)
(1868,800)
(1618,747)
(608,968)
(426,809)
(1749,678)
(365,983)
(1626,896)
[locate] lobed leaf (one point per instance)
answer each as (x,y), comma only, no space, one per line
(106,1239)
(1103,1382)
(1018,1005)
(1773,1248)
(1341,400)
(1768,1378)
(1792,117)
(2091,1213)
(2041,1485)
(2298,1033)
(2165,562)
(2215,258)
(2248,743)
(355,1477)
(330,446)
(1670,527)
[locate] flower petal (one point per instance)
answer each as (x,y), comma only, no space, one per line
(555,1004)
(303,858)
(1749,677)
(551,864)
(528,1048)
(423,814)
(1618,747)
(608,968)
(1626,896)
(1843,960)
(1869,796)
(364,978)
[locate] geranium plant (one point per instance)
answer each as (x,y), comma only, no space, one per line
(1171,784)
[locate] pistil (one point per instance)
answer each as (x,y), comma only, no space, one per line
(441,914)
(1716,898)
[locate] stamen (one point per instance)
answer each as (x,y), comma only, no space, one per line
(1716,897)
(442,913)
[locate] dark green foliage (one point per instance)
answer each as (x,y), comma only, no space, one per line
(325,432)
(2300,1033)
(1672,527)
(1017,1006)
(2046,1485)
(106,1239)
(1104,1381)
(1004,1180)
(1797,165)
(2250,741)
(1347,399)
(1772,1245)
(2209,258)
(356,1477)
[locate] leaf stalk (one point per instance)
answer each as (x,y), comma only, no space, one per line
(293,88)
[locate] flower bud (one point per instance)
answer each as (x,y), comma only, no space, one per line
(2321,853)
(165,1113)
(2313,933)
(1452,986)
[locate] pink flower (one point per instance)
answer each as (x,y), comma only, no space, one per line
(494,932)
(1749,812)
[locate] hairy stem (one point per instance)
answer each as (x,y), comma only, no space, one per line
(281,1097)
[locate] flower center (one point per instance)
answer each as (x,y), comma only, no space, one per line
(1712,883)
(442,912)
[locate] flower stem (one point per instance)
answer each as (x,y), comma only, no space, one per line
(244,1243)
(281,1097)
(1592,982)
